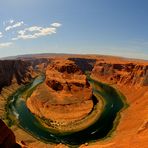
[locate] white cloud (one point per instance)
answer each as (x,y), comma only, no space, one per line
(1,35)
(17,24)
(56,24)
(31,32)
(11,21)
(34,32)
(6,44)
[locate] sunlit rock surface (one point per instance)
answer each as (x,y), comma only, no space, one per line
(64,96)
(129,76)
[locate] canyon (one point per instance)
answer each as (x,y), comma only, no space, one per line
(65,96)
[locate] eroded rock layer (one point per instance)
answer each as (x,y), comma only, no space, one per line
(21,70)
(64,96)
(122,73)
(129,76)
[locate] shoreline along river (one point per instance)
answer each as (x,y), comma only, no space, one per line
(112,100)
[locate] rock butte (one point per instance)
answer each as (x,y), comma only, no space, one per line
(128,75)
(65,96)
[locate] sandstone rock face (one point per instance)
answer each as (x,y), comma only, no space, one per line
(67,94)
(6,73)
(21,70)
(122,73)
(67,76)
(7,138)
(85,64)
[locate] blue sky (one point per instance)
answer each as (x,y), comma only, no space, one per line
(114,27)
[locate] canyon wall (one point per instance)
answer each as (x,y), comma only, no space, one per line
(129,76)
(129,73)
(122,73)
(21,70)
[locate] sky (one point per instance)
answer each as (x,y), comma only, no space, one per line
(108,27)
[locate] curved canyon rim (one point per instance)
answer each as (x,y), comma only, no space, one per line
(56,99)
(98,128)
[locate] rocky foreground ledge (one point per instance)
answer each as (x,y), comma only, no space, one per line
(7,137)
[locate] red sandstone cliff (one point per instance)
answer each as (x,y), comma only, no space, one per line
(126,75)
(64,96)
(122,73)
(21,70)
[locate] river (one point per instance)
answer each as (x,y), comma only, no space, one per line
(114,102)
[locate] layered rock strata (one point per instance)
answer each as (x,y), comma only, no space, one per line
(21,70)
(129,76)
(122,73)
(65,96)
